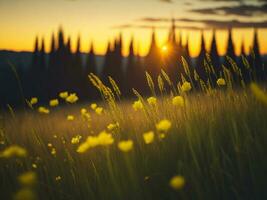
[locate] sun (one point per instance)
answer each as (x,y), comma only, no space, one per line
(164,49)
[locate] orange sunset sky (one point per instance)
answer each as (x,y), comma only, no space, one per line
(101,20)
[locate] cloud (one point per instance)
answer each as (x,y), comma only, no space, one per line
(219,24)
(144,26)
(166,1)
(239,10)
(210,23)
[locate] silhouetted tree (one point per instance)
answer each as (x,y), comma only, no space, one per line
(187,57)
(89,90)
(60,67)
(153,61)
(131,70)
(107,69)
(255,59)
(200,68)
(33,74)
(215,61)
(172,56)
(77,69)
(51,78)
(231,53)
(42,72)
(245,71)
(215,58)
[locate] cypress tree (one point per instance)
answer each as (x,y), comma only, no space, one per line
(88,89)
(255,58)
(33,71)
(200,68)
(152,61)
(51,78)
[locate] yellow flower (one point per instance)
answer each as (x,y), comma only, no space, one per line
(43,110)
(63,95)
(112,126)
(186,86)
(76,139)
(177,182)
(25,194)
(53,102)
(152,101)
(83,111)
(163,125)
(99,110)
(162,136)
(148,137)
(72,98)
(105,138)
(58,178)
(83,147)
(221,82)
(27,178)
(34,165)
(138,105)
(13,151)
(93,106)
(258,93)
(49,145)
(33,101)
(126,145)
(53,151)
(178,101)
(70,117)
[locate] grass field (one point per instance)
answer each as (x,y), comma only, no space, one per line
(207,146)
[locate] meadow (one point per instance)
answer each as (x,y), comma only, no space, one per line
(175,144)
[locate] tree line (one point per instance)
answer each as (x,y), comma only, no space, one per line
(64,70)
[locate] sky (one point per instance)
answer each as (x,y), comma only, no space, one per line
(99,21)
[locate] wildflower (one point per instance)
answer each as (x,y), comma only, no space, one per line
(93,106)
(53,151)
(99,110)
(162,135)
(25,194)
(33,101)
(49,145)
(63,95)
(186,86)
(55,136)
(148,137)
(177,182)
(126,145)
(178,101)
(34,165)
(112,126)
(58,178)
(163,125)
(152,101)
(83,111)
(221,82)
(258,93)
(70,117)
(13,151)
(105,138)
(27,178)
(85,146)
(138,105)
(72,98)
(76,139)
(43,110)
(53,102)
